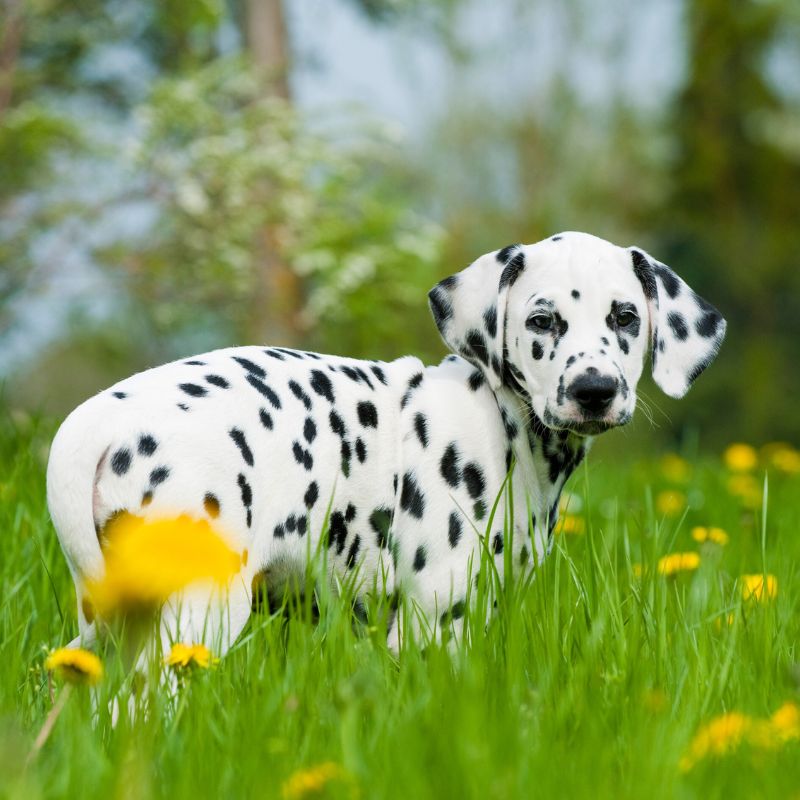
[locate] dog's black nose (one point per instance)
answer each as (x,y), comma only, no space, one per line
(593,393)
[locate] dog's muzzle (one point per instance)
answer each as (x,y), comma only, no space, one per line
(593,393)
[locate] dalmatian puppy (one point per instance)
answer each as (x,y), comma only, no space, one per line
(414,467)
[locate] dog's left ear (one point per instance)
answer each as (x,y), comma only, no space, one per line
(686,330)
(469,309)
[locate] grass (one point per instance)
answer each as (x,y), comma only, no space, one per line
(588,682)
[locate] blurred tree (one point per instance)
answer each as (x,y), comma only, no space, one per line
(731,214)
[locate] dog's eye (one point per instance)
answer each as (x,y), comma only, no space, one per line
(626,319)
(539,322)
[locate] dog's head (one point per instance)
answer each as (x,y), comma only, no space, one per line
(567,322)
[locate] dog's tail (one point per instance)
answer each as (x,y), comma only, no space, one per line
(75,456)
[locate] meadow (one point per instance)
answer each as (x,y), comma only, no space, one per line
(640,662)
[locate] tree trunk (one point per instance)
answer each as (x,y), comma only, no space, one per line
(277,296)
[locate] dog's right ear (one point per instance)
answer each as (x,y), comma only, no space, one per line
(469,309)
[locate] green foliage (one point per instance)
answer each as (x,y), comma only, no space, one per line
(589,681)
(241,179)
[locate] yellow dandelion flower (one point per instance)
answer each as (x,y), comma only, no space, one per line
(570,523)
(715,535)
(189,655)
(674,563)
(747,489)
(670,503)
(75,665)
(148,561)
(718,737)
(312,782)
(675,469)
(740,457)
(786,459)
(786,722)
(754,587)
(724,734)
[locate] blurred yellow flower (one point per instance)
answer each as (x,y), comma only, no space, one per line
(638,570)
(670,503)
(754,588)
(715,535)
(786,722)
(570,523)
(75,665)
(747,489)
(725,733)
(784,458)
(678,562)
(312,782)
(675,469)
(740,457)
(148,561)
(190,655)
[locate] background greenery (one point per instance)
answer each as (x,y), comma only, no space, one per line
(210,207)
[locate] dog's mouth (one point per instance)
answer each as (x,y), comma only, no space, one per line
(586,425)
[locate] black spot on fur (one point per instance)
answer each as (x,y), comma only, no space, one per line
(250,366)
(211,505)
(537,351)
(381,520)
(505,254)
(677,324)
(266,419)
(476,380)
(576,294)
(322,385)
(241,442)
(309,430)
(121,461)
(456,611)
(147,445)
(183,406)
(279,531)
(352,553)
(302,456)
(473,477)
(497,543)
(217,380)
(420,559)
(670,280)
(378,373)
(302,525)
(311,495)
(338,531)
(195,363)
(297,391)
(490,320)
(367,414)
(147,498)
(411,498)
(337,424)
(264,390)
(413,383)
(644,272)
(247,494)
(476,346)
(421,429)
(192,389)
(346,456)
(159,475)
(512,270)
(441,306)
(275,355)
(708,324)
(454,529)
(479,509)
(119,395)
(361,450)
(449,466)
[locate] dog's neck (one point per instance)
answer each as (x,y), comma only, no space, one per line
(545,457)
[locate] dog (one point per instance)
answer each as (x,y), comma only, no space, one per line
(411,466)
